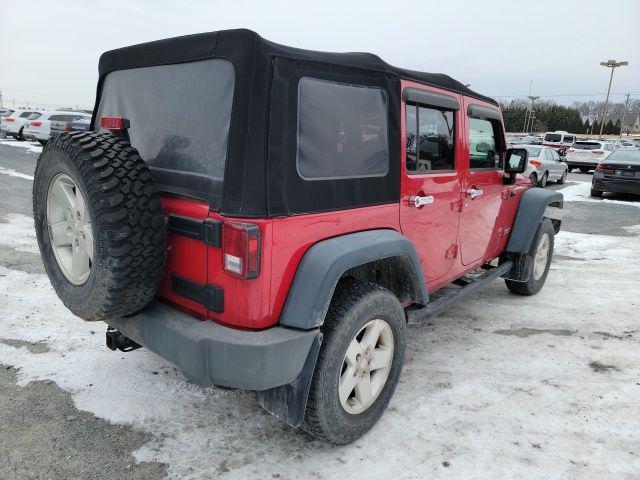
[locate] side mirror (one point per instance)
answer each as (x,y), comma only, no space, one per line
(515,162)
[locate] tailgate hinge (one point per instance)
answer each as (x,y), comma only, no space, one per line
(208,230)
(211,296)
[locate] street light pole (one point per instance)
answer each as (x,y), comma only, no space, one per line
(624,116)
(612,64)
(533,98)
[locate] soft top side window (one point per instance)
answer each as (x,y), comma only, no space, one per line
(342,130)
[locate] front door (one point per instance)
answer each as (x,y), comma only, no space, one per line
(483,184)
(430,185)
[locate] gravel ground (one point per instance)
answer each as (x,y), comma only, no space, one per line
(498,387)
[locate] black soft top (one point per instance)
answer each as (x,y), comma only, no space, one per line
(260,175)
(247,43)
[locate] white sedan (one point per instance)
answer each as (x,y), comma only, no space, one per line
(40,128)
(544,165)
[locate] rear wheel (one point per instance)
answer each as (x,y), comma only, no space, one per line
(534,178)
(563,178)
(541,253)
(19,136)
(359,363)
(543,180)
(584,169)
(42,142)
(99,224)
(569,169)
(596,193)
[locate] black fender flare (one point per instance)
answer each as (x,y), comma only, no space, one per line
(324,263)
(532,206)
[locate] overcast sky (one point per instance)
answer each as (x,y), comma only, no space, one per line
(49,49)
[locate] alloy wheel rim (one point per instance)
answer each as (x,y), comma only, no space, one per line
(366,366)
(69,228)
(541,257)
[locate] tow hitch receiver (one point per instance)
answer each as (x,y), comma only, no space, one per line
(117,341)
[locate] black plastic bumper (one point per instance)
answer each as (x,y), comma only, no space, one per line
(211,354)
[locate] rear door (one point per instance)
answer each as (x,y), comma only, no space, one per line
(430,178)
(483,184)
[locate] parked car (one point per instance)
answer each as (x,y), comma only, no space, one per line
(60,125)
(559,140)
(4,112)
(80,125)
(372,194)
(627,145)
(14,123)
(544,165)
(585,155)
(40,128)
(619,173)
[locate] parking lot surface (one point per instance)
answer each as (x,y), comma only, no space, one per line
(500,386)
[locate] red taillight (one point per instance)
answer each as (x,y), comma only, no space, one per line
(241,249)
(112,123)
(535,163)
(36,124)
(9,119)
(604,169)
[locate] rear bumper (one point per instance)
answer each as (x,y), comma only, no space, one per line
(614,185)
(211,354)
(581,163)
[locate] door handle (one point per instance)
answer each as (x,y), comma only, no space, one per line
(419,201)
(474,192)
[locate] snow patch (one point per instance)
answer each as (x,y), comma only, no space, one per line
(581,192)
(13,173)
(33,147)
(17,232)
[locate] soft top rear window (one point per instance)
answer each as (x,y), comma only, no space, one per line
(587,145)
(179,117)
(553,137)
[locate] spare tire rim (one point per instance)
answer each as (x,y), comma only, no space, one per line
(70,232)
(541,257)
(366,366)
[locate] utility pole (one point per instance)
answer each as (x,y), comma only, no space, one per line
(533,98)
(624,114)
(612,64)
(1,105)
(526,113)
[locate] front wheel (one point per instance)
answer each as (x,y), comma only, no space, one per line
(596,193)
(584,169)
(541,253)
(563,178)
(359,363)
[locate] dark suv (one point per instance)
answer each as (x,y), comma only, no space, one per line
(270,218)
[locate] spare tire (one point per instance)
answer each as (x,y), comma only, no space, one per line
(99,224)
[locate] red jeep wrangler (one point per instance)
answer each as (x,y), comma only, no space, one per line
(271,219)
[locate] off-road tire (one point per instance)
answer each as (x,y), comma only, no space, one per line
(533,285)
(596,193)
(563,178)
(126,219)
(354,304)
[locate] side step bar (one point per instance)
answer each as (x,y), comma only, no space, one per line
(454,293)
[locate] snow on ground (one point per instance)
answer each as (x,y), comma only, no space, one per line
(501,386)
(581,192)
(13,173)
(33,147)
(17,232)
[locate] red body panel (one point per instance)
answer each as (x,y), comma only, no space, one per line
(452,236)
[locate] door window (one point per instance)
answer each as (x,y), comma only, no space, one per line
(430,144)
(484,147)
